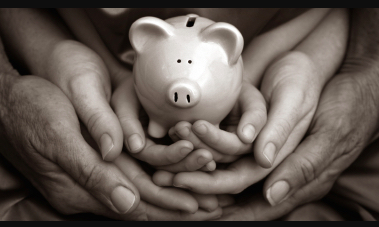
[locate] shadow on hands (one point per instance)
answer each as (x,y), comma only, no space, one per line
(46,145)
(341,129)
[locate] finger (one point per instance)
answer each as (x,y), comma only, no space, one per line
(220,140)
(169,198)
(155,213)
(301,168)
(289,104)
(194,161)
(126,106)
(206,202)
(254,113)
(162,155)
(173,135)
(96,113)
(183,131)
(233,180)
(210,166)
(88,89)
(225,200)
(163,178)
(101,179)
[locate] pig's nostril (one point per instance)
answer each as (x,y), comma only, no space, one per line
(176,97)
(188,99)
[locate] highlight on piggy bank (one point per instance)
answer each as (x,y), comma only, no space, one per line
(187,68)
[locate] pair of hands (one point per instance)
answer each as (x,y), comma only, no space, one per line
(47,144)
(35,113)
(54,168)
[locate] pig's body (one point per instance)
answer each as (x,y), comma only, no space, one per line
(186,73)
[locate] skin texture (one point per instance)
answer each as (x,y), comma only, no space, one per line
(70,172)
(358,75)
(345,122)
(291,86)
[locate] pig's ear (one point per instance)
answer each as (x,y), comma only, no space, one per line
(227,36)
(148,29)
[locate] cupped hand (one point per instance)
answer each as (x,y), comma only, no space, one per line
(291,90)
(43,139)
(236,133)
(41,124)
(345,123)
(176,157)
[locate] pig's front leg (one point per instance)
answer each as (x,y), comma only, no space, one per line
(156,129)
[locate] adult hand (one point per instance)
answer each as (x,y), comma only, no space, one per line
(41,125)
(46,145)
(346,121)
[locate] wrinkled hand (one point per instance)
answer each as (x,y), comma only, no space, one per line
(345,122)
(42,138)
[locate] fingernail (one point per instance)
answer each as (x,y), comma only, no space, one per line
(269,152)
(122,199)
(202,160)
(184,132)
(185,150)
(277,192)
(106,145)
(249,132)
(211,166)
(135,143)
(201,129)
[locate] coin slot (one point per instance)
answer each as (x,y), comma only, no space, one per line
(191,21)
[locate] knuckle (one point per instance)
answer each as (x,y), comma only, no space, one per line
(308,169)
(260,115)
(91,176)
(282,130)
(96,121)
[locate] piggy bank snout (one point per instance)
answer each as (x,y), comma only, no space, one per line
(184,94)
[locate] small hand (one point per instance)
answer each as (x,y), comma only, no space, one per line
(237,132)
(176,157)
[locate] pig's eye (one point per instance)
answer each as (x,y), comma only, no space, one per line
(189,61)
(179,61)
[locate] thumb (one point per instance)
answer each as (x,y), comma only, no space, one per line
(126,105)
(311,159)
(95,112)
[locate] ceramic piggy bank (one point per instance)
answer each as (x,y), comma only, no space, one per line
(186,68)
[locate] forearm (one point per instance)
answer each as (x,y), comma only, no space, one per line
(85,32)
(30,35)
(326,45)
(262,50)
(362,59)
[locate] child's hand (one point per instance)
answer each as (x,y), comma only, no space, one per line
(176,157)
(227,146)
